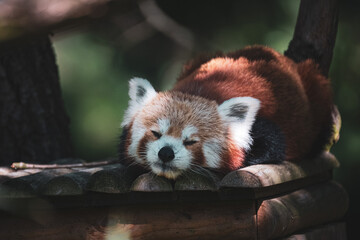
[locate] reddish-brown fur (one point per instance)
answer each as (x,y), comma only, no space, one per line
(183,110)
(233,158)
(294,96)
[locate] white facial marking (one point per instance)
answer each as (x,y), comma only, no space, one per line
(239,113)
(182,159)
(212,152)
(167,173)
(137,133)
(188,131)
(164,125)
(141,92)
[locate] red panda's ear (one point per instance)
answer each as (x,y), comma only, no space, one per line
(141,92)
(239,114)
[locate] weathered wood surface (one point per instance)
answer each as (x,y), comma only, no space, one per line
(200,180)
(149,182)
(235,220)
(264,175)
(242,219)
(73,183)
(301,209)
(334,231)
(111,179)
(257,180)
(7,173)
(60,202)
(31,182)
(30,185)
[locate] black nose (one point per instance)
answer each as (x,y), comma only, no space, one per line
(166,154)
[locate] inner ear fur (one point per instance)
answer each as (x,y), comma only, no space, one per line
(240,113)
(141,92)
(239,109)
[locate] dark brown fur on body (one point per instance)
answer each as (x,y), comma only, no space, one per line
(296,97)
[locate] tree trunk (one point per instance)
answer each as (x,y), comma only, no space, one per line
(33,124)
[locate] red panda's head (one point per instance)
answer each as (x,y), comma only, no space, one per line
(171,132)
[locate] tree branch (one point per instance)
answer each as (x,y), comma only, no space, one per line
(159,20)
(22,165)
(315,33)
(22,17)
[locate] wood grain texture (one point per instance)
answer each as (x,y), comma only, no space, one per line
(263,175)
(67,184)
(235,220)
(311,206)
(258,180)
(73,183)
(159,216)
(30,182)
(195,221)
(197,181)
(7,173)
(114,178)
(149,182)
(29,185)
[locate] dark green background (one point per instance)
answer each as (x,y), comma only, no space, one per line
(96,64)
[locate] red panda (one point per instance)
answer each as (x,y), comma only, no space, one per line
(229,111)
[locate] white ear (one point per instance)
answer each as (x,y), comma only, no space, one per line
(239,113)
(141,92)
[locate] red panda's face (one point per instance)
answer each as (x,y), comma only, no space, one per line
(172,132)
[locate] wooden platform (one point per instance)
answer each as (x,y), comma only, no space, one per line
(285,201)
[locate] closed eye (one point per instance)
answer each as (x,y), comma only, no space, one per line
(156,134)
(189,142)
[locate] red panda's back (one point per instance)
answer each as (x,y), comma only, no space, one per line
(296,97)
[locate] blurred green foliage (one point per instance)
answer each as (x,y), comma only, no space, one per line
(95,68)
(95,94)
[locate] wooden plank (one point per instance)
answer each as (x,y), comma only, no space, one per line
(301,209)
(274,190)
(73,183)
(235,220)
(264,175)
(114,178)
(68,184)
(333,231)
(252,182)
(149,182)
(192,221)
(202,185)
(198,181)
(29,185)
(275,217)
(7,173)
(29,182)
